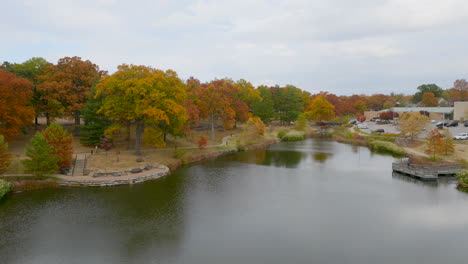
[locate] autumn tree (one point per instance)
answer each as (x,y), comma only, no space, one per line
(41,159)
(388,115)
(264,108)
(429,100)
(192,102)
(150,99)
(459,92)
(5,156)
(30,70)
(61,142)
(434,143)
(202,142)
(448,146)
(253,128)
(412,123)
(217,99)
(66,86)
(427,88)
(320,109)
(15,109)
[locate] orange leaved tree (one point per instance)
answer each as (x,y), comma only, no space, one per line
(15,109)
(61,143)
(66,86)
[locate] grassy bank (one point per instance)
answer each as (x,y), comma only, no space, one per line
(28,183)
(386,147)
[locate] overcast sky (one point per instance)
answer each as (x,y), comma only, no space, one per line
(340,46)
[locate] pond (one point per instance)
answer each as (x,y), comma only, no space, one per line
(296,202)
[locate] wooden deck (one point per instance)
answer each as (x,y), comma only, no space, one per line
(427,172)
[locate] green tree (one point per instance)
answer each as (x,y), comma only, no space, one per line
(41,158)
(288,103)
(95,123)
(264,108)
(427,88)
(301,122)
(145,97)
(61,142)
(5,156)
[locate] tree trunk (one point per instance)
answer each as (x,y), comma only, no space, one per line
(128,132)
(47,119)
(77,118)
(36,122)
(164,136)
(140,128)
(212,127)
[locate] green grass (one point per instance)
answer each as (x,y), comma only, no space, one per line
(386,146)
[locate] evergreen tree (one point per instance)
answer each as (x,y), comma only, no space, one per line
(41,158)
(95,123)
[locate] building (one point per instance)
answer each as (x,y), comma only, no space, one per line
(460,111)
(435,113)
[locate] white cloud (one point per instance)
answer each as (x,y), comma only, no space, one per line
(341,45)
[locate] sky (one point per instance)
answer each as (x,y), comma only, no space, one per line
(340,46)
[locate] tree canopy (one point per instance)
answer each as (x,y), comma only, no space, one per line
(146,97)
(15,109)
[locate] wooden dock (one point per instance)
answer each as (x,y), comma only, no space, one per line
(427,172)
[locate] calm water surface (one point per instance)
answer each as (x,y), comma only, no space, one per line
(307,202)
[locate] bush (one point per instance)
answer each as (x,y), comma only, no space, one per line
(294,136)
(5,187)
(179,153)
(281,134)
(386,146)
(462,178)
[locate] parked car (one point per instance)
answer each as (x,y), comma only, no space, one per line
(461,136)
(374,119)
(383,121)
(453,124)
(352,121)
(379,130)
(466,124)
(442,124)
(362,126)
(433,121)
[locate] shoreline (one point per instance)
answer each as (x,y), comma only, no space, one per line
(155,173)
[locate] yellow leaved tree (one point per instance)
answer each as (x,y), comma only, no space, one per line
(150,99)
(412,123)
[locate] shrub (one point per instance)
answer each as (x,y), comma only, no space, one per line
(386,146)
(281,134)
(294,136)
(202,142)
(5,187)
(462,178)
(179,153)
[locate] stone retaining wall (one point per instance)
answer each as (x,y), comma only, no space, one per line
(103,183)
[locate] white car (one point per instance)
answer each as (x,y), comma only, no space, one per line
(362,126)
(461,136)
